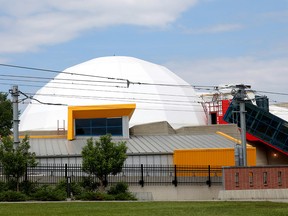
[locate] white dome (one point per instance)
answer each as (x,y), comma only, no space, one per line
(175,103)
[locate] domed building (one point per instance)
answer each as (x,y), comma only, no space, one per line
(157,113)
(157,93)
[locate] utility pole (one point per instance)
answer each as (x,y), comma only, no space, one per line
(15,94)
(240,98)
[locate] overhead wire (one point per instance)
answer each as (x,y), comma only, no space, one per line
(140,100)
(56,71)
(276,93)
(127,81)
(83,84)
(141,108)
(41,102)
(118,81)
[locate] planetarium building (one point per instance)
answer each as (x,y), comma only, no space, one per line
(157,113)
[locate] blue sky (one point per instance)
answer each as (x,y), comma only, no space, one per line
(206,42)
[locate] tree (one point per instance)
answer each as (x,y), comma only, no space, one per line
(6,115)
(103,157)
(15,161)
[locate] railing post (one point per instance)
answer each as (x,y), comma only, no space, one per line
(141,182)
(175,182)
(66,170)
(68,184)
(209,177)
(26,173)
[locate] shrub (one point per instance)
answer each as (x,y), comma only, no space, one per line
(93,196)
(11,185)
(120,192)
(120,187)
(12,196)
(125,196)
(89,184)
(28,187)
(3,186)
(49,193)
(75,188)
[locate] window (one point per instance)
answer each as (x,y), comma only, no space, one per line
(98,127)
(237,179)
(279,178)
(251,179)
(265,175)
(213,118)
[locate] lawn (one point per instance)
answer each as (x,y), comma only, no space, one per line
(145,208)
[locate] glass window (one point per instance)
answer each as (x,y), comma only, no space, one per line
(82,123)
(251,178)
(98,127)
(237,179)
(101,122)
(279,178)
(265,176)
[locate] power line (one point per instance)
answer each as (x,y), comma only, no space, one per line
(62,79)
(140,100)
(83,84)
(276,93)
(44,103)
(142,108)
(127,81)
(56,71)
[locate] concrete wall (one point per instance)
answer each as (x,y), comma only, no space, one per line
(156,128)
(203,192)
(264,194)
(180,193)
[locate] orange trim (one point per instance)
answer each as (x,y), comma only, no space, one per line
(97,111)
(44,136)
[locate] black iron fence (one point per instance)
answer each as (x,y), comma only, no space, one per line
(131,174)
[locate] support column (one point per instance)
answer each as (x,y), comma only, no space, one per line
(243,132)
(15,95)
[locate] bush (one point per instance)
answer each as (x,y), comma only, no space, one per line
(12,196)
(28,187)
(49,193)
(75,188)
(120,187)
(3,186)
(93,196)
(89,184)
(125,196)
(120,192)
(11,185)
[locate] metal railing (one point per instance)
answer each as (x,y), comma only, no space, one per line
(131,174)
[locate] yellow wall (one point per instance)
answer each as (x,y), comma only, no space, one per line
(99,111)
(213,157)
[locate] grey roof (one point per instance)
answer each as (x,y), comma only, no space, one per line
(160,144)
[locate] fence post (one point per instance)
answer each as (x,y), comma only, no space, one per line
(208,182)
(141,182)
(26,173)
(68,183)
(66,170)
(175,182)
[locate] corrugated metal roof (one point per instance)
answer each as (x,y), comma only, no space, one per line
(160,144)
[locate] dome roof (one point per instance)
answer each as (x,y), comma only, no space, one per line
(158,93)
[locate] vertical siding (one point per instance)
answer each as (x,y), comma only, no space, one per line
(214,157)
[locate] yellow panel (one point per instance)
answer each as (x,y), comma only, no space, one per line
(99,111)
(213,157)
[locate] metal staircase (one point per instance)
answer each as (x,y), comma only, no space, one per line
(268,128)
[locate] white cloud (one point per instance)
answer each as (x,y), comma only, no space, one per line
(261,74)
(214,29)
(27,24)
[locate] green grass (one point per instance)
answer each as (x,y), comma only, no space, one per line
(145,208)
